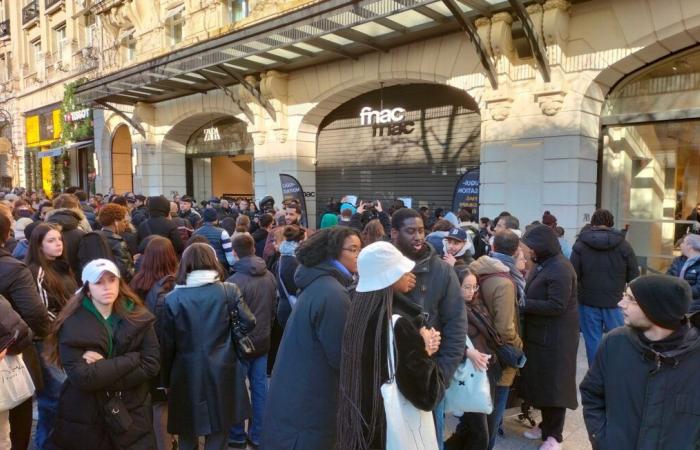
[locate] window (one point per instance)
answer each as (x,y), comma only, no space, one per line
(3,69)
(59,42)
(90,30)
(34,54)
(176,21)
(130,48)
(237,9)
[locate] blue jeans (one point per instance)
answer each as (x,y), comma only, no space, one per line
(500,400)
(257,377)
(594,322)
(47,398)
(439,414)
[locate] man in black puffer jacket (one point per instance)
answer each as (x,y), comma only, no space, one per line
(159,223)
(687,267)
(642,392)
(604,262)
(259,289)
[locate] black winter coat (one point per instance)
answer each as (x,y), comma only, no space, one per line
(302,401)
(17,285)
(80,415)
(71,232)
(604,263)
(637,397)
(15,335)
(691,275)
(259,289)
(163,227)
(437,292)
(206,381)
(284,270)
(551,331)
(120,253)
(260,237)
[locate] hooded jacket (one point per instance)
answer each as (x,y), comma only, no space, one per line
(73,227)
(636,397)
(551,328)
(691,275)
(300,412)
(604,262)
(500,297)
(259,289)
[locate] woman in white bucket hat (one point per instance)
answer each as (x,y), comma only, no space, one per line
(384,277)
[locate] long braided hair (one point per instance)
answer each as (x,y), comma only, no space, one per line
(363,359)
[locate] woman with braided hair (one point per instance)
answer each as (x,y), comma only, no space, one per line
(385,276)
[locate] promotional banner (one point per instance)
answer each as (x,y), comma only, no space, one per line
(291,190)
(467,192)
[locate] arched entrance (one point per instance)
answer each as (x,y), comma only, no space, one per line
(650,157)
(122,169)
(410,141)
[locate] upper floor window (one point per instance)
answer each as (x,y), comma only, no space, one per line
(90,30)
(237,9)
(175,21)
(4,72)
(34,53)
(130,48)
(60,42)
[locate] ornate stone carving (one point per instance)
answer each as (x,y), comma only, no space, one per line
(555,25)
(499,107)
(273,85)
(501,34)
(550,102)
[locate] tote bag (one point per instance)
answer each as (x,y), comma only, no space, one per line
(16,384)
(469,390)
(407,427)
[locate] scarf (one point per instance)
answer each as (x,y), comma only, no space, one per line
(514,273)
(335,263)
(198,278)
(288,248)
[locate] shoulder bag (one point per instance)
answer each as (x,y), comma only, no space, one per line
(16,384)
(407,427)
(242,320)
(469,389)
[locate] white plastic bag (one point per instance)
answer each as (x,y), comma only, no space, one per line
(407,427)
(16,383)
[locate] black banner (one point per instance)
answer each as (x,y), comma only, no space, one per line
(291,190)
(467,192)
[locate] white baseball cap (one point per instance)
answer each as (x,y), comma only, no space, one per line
(380,265)
(95,268)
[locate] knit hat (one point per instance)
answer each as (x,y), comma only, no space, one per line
(329,220)
(159,204)
(209,215)
(549,219)
(663,298)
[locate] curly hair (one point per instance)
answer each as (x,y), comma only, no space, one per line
(110,213)
(324,245)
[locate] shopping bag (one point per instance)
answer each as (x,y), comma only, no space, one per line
(16,383)
(407,427)
(469,390)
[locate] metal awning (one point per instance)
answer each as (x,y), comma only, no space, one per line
(57,151)
(309,36)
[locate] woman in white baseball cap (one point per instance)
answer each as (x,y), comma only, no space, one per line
(384,277)
(104,339)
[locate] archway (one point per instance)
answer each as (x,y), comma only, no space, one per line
(649,163)
(409,141)
(122,169)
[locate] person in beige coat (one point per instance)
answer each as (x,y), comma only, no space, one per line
(501,284)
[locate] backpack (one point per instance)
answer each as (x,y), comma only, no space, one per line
(155,301)
(93,245)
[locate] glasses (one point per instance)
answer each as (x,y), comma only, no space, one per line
(353,250)
(469,288)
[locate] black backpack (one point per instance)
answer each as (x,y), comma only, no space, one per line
(93,245)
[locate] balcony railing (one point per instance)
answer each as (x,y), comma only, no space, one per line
(49,3)
(4,28)
(30,12)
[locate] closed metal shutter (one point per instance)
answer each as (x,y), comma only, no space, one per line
(355,159)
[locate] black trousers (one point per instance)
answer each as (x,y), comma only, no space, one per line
(21,425)
(472,432)
(553,423)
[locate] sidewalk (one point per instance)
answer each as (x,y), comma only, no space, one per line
(575,436)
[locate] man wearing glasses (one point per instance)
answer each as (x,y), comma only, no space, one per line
(642,390)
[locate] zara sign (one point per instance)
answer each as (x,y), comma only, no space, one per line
(390,119)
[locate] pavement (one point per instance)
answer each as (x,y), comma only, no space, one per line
(575,435)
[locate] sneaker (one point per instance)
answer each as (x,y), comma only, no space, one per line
(550,444)
(241,445)
(533,433)
(253,445)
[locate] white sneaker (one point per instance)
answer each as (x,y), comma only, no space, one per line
(533,433)
(550,444)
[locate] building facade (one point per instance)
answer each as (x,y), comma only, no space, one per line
(561,105)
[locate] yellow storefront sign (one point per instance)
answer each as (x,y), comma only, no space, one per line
(46,179)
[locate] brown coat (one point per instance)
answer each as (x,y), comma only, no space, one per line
(500,298)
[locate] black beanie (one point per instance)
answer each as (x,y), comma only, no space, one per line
(663,298)
(160,205)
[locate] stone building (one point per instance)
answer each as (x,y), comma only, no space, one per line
(560,105)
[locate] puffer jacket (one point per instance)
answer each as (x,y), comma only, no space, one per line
(73,226)
(120,253)
(500,297)
(691,275)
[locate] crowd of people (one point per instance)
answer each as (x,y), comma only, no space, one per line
(157,323)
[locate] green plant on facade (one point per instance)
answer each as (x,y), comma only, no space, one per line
(70,132)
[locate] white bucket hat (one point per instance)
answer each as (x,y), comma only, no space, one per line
(95,268)
(380,265)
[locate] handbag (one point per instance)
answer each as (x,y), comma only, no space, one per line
(470,390)
(242,322)
(117,417)
(16,383)
(407,427)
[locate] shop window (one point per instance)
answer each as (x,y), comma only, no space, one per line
(237,9)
